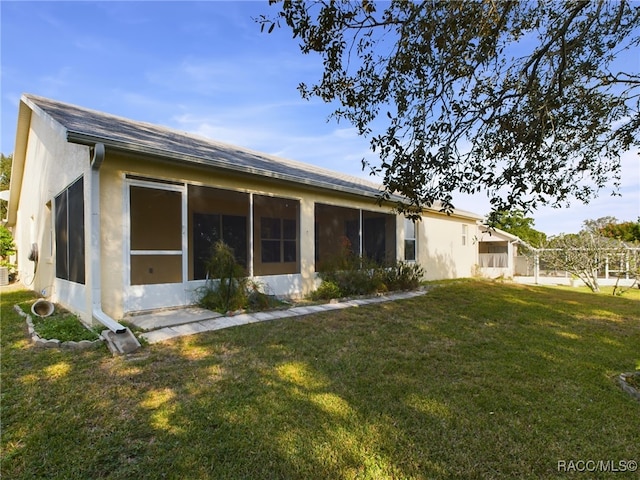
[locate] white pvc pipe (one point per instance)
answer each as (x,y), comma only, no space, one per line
(96,274)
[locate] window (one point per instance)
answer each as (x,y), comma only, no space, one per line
(337,234)
(278,240)
(378,237)
(409,240)
(69,233)
(465,234)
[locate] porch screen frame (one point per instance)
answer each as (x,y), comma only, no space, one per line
(354,229)
(69,233)
(131,252)
(231,208)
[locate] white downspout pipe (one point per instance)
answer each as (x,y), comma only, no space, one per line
(96,274)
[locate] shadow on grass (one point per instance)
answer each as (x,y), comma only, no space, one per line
(473,380)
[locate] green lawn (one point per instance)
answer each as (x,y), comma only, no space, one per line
(473,380)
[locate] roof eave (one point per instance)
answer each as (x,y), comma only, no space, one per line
(17,165)
(90,140)
(210,162)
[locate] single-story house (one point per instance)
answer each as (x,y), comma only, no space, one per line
(113,216)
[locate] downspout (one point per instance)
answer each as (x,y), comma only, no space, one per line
(96,262)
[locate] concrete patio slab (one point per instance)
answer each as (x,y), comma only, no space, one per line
(358,301)
(189,328)
(241,319)
(222,322)
(161,335)
(335,306)
(169,317)
(301,310)
(265,316)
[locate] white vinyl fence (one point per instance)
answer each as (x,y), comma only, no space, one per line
(613,266)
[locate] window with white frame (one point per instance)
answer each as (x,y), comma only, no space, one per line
(465,234)
(410,243)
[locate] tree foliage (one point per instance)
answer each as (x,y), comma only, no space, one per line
(516,223)
(579,254)
(625,231)
(584,254)
(5,180)
(7,247)
(521,99)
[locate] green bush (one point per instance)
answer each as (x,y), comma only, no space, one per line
(404,276)
(326,291)
(359,276)
(7,247)
(226,287)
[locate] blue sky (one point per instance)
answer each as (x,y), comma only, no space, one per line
(205,67)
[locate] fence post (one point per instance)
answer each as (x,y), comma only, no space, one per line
(626,264)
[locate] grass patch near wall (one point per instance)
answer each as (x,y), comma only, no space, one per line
(472,380)
(64,326)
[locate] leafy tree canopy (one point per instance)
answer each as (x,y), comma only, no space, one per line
(581,254)
(517,224)
(523,100)
(585,253)
(611,228)
(5,179)
(7,247)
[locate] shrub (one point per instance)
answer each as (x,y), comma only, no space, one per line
(356,276)
(228,288)
(225,289)
(7,246)
(404,276)
(326,291)
(257,299)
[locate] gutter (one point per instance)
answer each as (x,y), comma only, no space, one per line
(96,274)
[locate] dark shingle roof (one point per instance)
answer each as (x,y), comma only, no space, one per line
(88,127)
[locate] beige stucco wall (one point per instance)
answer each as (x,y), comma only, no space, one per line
(441,249)
(111,234)
(51,164)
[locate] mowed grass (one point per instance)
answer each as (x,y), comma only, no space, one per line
(473,380)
